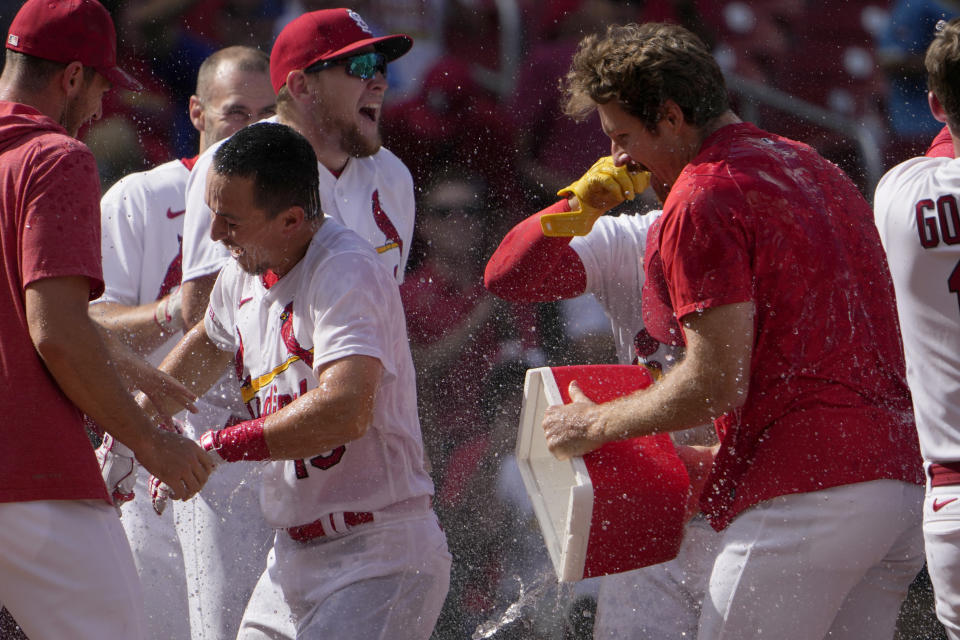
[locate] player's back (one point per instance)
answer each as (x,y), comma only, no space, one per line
(918,216)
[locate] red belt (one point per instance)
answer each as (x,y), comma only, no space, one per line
(942,475)
(313,530)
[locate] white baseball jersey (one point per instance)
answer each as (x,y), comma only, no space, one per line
(612,256)
(338,301)
(141,221)
(917,212)
(373,196)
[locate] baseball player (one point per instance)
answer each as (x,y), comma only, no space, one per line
(771,271)
(142,229)
(328,72)
(916,213)
(570,249)
(314,323)
(65,566)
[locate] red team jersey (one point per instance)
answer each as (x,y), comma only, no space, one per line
(763,219)
(49,228)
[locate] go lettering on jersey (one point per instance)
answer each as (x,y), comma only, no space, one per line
(260,404)
(940,221)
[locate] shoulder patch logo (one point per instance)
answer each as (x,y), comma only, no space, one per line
(360,23)
(391,236)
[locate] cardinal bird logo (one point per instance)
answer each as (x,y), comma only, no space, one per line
(393,239)
(290,340)
(238,361)
(172,278)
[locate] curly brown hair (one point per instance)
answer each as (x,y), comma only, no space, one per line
(642,66)
(943,68)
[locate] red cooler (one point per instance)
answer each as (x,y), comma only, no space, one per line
(618,508)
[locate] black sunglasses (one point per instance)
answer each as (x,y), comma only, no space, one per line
(362,65)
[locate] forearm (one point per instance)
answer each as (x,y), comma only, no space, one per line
(681,400)
(338,411)
(711,380)
(137,326)
(72,349)
(196,361)
(195,295)
(531,267)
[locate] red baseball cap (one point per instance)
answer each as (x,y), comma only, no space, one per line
(325,35)
(67,31)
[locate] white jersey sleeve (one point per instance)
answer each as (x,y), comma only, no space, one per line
(201,255)
(218,321)
(141,222)
(917,213)
(612,256)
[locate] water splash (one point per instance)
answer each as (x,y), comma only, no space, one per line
(533,595)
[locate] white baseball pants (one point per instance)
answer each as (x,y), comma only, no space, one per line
(383,581)
(225,541)
(800,566)
(66,571)
(941,533)
(159,561)
(662,600)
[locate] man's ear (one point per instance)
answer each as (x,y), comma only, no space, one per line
(292,219)
(672,114)
(71,79)
(936,107)
(297,85)
(196,113)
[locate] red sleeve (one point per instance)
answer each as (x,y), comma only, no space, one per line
(60,233)
(942,145)
(705,270)
(531,267)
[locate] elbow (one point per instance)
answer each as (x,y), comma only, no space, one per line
(357,424)
(53,349)
(359,428)
(728,393)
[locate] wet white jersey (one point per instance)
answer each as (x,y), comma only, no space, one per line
(917,211)
(373,196)
(612,256)
(141,220)
(338,301)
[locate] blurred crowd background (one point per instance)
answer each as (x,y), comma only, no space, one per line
(474,112)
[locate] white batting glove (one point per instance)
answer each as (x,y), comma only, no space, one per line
(160,493)
(208,443)
(118,466)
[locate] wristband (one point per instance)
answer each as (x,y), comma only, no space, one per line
(242,441)
(167,313)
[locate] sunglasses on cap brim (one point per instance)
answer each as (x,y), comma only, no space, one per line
(362,65)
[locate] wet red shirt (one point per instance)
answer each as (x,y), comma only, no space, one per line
(49,227)
(760,218)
